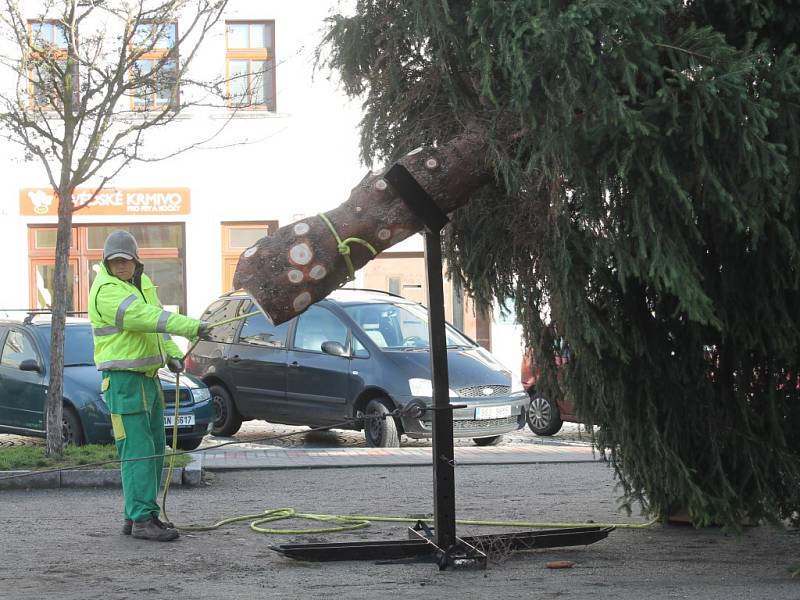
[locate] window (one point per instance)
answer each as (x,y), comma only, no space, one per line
(358,349)
(155,71)
(48,64)
(394,285)
(236,238)
(399,325)
(258,331)
(250,64)
(316,326)
(222,310)
(16,349)
(161,249)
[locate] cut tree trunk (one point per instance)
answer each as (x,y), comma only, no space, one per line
(301,263)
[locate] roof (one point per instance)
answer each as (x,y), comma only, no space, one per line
(37,317)
(344,295)
(361,296)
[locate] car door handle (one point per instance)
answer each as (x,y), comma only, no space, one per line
(235,358)
(294,364)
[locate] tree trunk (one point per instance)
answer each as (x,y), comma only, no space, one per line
(55,390)
(302,263)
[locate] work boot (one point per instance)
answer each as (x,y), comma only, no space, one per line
(128,525)
(163,524)
(152,530)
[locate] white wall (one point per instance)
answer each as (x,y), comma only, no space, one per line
(298,161)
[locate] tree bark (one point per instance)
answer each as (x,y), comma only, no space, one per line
(301,263)
(55,389)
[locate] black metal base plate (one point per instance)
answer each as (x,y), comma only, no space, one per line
(468,552)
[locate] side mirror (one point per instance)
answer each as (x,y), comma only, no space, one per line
(334,349)
(30,364)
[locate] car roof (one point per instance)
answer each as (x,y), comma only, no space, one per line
(40,319)
(343,296)
(365,296)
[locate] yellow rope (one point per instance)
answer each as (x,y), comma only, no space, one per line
(351,522)
(344,245)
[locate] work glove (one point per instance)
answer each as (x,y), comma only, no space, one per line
(203,330)
(175,364)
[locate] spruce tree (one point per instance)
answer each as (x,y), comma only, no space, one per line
(646,156)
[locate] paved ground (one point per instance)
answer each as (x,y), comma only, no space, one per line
(65,542)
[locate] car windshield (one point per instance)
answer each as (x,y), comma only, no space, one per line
(78,345)
(400,326)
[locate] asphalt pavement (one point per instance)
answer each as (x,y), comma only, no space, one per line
(67,541)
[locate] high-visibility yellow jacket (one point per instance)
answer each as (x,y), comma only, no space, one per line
(131,329)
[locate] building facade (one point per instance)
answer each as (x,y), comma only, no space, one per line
(291,154)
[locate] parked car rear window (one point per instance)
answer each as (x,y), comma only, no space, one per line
(220,311)
(18,347)
(259,331)
(78,344)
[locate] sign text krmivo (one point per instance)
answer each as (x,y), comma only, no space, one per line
(42,202)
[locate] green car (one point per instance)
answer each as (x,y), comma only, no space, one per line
(25,374)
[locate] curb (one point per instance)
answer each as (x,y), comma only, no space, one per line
(190,475)
(280,458)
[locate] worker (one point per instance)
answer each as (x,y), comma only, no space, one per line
(131,343)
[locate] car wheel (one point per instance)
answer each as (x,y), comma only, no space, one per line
(380,433)
(488,441)
(190,444)
(227,419)
(71,429)
(544,417)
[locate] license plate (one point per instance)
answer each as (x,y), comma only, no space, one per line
(492,412)
(183,420)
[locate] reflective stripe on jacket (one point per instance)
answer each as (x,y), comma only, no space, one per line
(131,329)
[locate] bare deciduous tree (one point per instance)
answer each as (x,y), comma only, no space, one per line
(92,80)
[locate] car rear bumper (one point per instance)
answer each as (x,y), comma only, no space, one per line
(466,421)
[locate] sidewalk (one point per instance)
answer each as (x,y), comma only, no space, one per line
(259,457)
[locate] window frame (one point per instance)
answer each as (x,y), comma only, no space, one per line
(28,339)
(85,256)
(155,55)
(265,54)
(231,253)
(59,53)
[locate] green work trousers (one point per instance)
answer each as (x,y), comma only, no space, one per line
(136,402)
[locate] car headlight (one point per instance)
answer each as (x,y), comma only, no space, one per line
(201,394)
(424,388)
(516,385)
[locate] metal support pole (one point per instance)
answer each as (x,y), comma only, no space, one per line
(446,549)
(444,508)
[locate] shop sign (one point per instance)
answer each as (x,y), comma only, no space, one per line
(41,202)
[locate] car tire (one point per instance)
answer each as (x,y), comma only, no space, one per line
(189,444)
(227,419)
(71,429)
(380,433)
(488,441)
(543,417)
